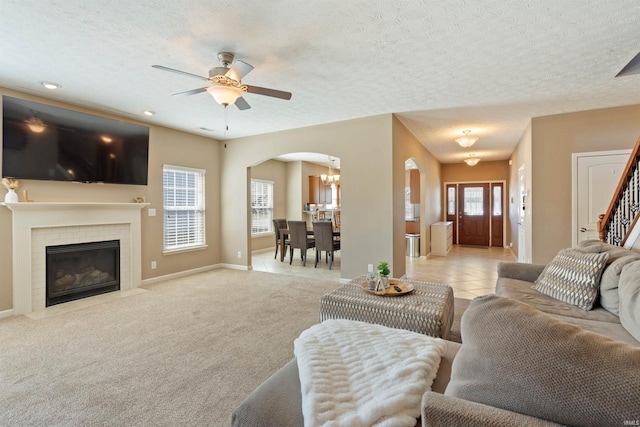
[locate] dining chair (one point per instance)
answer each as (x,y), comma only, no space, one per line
(298,239)
(336,221)
(279,224)
(323,234)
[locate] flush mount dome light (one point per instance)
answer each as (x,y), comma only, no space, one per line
(466,141)
(472,160)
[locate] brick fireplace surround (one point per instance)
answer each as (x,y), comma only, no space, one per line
(36,225)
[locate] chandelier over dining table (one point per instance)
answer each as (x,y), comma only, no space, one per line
(331,177)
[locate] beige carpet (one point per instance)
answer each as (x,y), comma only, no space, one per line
(186,352)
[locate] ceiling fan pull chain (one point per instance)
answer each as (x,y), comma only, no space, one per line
(226,120)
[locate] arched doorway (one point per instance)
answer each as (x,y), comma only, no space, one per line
(300,193)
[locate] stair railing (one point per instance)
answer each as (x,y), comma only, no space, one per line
(622,214)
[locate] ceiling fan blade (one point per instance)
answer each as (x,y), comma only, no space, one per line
(269,92)
(242,104)
(633,67)
(161,67)
(190,92)
(238,70)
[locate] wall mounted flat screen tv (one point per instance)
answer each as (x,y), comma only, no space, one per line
(43,142)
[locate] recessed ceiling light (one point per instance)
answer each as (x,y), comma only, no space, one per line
(148,113)
(50,85)
(207,129)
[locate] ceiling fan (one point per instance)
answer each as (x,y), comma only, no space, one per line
(226,83)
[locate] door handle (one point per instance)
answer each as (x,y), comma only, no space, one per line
(583,229)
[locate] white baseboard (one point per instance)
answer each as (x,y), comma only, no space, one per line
(177,275)
(6,313)
(234,266)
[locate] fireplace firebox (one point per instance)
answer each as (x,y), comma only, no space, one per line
(81,270)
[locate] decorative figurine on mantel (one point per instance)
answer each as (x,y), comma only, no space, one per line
(11,185)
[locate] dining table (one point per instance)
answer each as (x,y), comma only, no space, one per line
(285,232)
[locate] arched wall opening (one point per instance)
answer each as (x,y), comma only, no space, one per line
(298,194)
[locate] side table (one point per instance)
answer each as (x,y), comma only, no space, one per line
(427,310)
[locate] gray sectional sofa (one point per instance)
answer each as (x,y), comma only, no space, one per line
(619,278)
(526,358)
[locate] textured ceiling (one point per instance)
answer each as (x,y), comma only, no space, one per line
(442,67)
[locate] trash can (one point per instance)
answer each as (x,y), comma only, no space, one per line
(413,245)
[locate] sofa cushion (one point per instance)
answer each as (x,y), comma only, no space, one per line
(446,411)
(611,330)
(573,277)
(520,290)
(614,252)
(609,297)
(517,358)
(629,290)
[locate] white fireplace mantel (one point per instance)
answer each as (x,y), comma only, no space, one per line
(30,217)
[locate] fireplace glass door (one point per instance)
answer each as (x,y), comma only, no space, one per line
(82,270)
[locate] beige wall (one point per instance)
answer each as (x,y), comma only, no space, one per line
(296,192)
(483,171)
(554,139)
(366,186)
(406,146)
(165,146)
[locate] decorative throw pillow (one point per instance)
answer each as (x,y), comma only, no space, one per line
(573,277)
(515,357)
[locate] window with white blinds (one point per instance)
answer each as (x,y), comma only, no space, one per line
(183,200)
(261,206)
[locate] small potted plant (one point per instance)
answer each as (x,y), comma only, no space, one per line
(383,271)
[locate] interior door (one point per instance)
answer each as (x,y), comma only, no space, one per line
(597,178)
(473,214)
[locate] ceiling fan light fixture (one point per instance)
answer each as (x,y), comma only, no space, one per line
(225,94)
(472,160)
(466,141)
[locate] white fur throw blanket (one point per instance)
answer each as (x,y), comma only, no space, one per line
(359,374)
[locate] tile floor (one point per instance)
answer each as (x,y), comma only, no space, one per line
(470,271)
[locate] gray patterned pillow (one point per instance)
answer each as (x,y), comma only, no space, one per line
(573,277)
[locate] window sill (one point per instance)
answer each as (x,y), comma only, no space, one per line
(181,250)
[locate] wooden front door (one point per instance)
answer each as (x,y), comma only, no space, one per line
(473,214)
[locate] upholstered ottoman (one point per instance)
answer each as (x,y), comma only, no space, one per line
(427,310)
